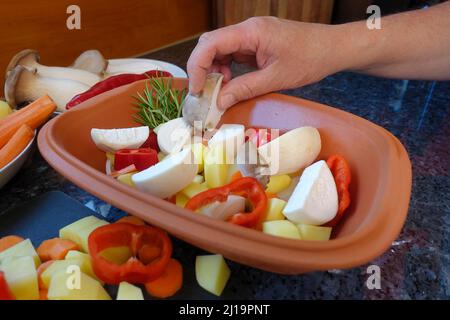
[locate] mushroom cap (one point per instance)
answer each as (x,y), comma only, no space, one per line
(16,60)
(12,79)
(92,61)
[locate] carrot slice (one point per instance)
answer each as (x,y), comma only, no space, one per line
(33,115)
(40,270)
(9,241)
(132,220)
(169,283)
(148,253)
(43,294)
(55,249)
(15,145)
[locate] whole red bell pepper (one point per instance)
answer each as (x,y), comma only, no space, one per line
(342,177)
(114,82)
(5,292)
(246,187)
(142,158)
(151,250)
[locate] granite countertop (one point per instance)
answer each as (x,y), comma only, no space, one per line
(417,266)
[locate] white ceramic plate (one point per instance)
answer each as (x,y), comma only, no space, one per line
(10,170)
(138,65)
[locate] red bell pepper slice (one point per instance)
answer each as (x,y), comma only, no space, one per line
(138,239)
(246,187)
(151,142)
(142,158)
(342,176)
(5,292)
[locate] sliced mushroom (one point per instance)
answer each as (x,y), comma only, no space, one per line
(30,59)
(250,164)
(138,66)
(91,61)
(203,107)
(23,85)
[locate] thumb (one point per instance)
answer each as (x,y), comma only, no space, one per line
(244,87)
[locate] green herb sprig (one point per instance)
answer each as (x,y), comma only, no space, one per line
(159,103)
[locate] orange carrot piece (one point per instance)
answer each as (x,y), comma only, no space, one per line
(271,195)
(40,270)
(132,220)
(168,283)
(55,249)
(9,241)
(43,294)
(236,175)
(33,115)
(15,145)
(148,253)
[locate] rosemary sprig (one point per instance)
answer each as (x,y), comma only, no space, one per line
(159,103)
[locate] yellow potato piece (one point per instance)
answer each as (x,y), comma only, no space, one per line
(215,167)
(316,233)
(86,262)
(5,109)
(89,289)
(21,276)
(199,179)
(198,150)
(129,292)
(126,179)
(22,249)
(194,188)
(71,231)
(60,265)
(181,199)
(117,255)
(281,228)
(212,273)
(274,210)
(278,183)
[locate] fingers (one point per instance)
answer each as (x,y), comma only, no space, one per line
(245,87)
(218,43)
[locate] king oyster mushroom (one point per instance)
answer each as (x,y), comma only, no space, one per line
(23,85)
(203,107)
(30,59)
(91,61)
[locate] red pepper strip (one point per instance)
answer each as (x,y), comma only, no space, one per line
(114,82)
(137,238)
(342,176)
(142,158)
(246,187)
(5,292)
(131,168)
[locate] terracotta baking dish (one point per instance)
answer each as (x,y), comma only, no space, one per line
(380,188)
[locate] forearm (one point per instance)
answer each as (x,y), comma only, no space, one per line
(413,45)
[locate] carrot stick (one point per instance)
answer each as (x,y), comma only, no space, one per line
(15,146)
(41,270)
(9,241)
(169,283)
(55,249)
(132,220)
(33,115)
(43,294)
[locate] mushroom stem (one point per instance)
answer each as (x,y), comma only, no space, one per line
(30,59)
(24,85)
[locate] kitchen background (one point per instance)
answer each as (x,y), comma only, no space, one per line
(417,112)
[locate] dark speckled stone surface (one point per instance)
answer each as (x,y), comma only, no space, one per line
(417,266)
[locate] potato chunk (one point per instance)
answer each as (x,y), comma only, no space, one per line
(212,273)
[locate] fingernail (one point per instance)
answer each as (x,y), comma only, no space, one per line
(226,101)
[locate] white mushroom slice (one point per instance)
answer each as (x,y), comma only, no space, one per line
(136,66)
(92,61)
(167,177)
(23,85)
(174,135)
(203,107)
(224,210)
(314,200)
(292,151)
(231,137)
(111,140)
(30,59)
